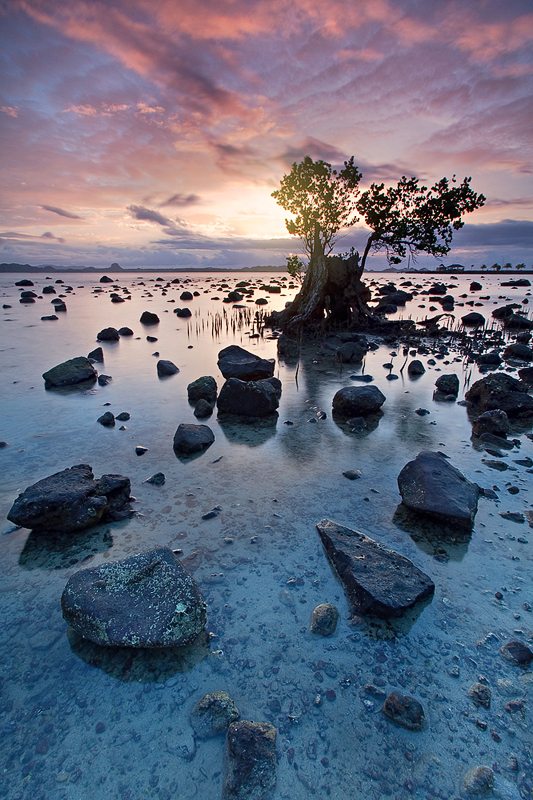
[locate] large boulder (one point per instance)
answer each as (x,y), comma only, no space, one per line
(377,581)
(75,370)
(430,485)
(502,391)
(357,401)
(249,398)
(204,388)
(190,439)
(148,600)
(235,362)
(250,761)
(71,500)
(518,351)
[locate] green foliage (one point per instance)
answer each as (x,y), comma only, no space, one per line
(496,267)
(409,218)
(321,199)
(295,268)
(520,266)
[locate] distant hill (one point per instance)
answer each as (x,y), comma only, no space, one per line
(116,268)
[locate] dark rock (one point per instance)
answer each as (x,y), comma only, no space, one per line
(489,359)
(480,694)
(422,412)
(106,279)
(351,353)
(324,620)
(474,319)
(140,450)
(149,318)
(165,368)
(108,335)
(500,391)
(416,368)
(213,714)
(448,384)
(71,372)
(377,581)
(235,362)
(352,474)
(151,338)
(515,653)
(398,298)
(234,297)
(107,419)
(24,282)
(495,422)
(183,312)
(526,374)
(190,439)
(202,409)
(475,286)
(430,485)
(437,288)
(123,416)
(250,761)
(60,307)
(287,348)
(186,295)
(516,282)
(148,600)
(517,322)
(49,317)
(404,711)
(71,500)
(204,388)
(519,351)
(125,331)
(503,312)
(358,401)
(479,780)
(28,293)
(97,354)
(249,398)
(362,378)
(103,380)
(156,480)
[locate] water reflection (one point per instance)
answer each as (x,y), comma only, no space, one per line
(248,431)
(48,550)
(443,541)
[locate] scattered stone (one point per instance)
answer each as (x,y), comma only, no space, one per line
(351,353)
(473,320)
(72,500)
(125,331)
(352,474)
(3,444)
(107,419)
(202,409)
(156,480)
(108,335)
(448,384)
(235,362)
(357,401)
(106,279)
(512,516)
(324,620)
(416,368)
(47,317)
(404,711)
(69,373)
(140,450)
(186,296)
(123,416)
(249,398)
(480,694)
(183,312)
(103,380)
(519,351)
(97,354)
(517,654)
(479,780)
(204,388)
(362,378)
(430,485)
(495,422)
(165,368)
(212,514)
(489,359)
(213,714)
(422,412)
(250,761)
(190,439)
(149,318)
(148,600)
(24,282)
(377,581)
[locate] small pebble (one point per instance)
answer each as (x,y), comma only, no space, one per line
(100,727)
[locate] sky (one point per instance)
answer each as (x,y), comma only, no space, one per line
(151,133)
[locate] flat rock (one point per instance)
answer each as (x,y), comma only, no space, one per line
(148,600)
(479,780)
(355,401)
(71,500)
(69,373)
(404,710)
(250,761)
(249,398)
(377,581)
(430,485)
(235,362)
(190,439)
(213,714)
(501,391)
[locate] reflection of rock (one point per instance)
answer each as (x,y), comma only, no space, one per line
(148,600)
(44,550)
(72,500)
(502,391)
(213,714)
(190,439)
(250,761)
(361,426)
(76,370)
(249,398)
(443,541)
(140,665)
(430,485)
(249,431)
(356,401)
(235,362)
(287,348)
(377,581)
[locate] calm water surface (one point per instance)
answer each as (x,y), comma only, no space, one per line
(78,721)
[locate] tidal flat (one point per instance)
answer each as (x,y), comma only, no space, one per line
(81,721)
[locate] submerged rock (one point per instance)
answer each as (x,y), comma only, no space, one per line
(517,653)
(69,373)
(448,384)
(235,362)
(249,398)
(377,581)
(324,620)
(479,780)
(108,335)
(213,714)
(430,485)
(494,422)
(202,409)
(250,761)
(404,710)
(501,391)
(287,347)
(190,439)
(71,500)
(148,600)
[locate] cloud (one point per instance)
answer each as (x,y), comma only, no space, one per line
(149,215)
(506,233)
(181,200)
(49,235)
(11,111)
(61,212)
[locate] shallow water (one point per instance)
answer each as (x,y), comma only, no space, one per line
(274,483)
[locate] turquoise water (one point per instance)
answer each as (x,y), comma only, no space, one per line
(78,721)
